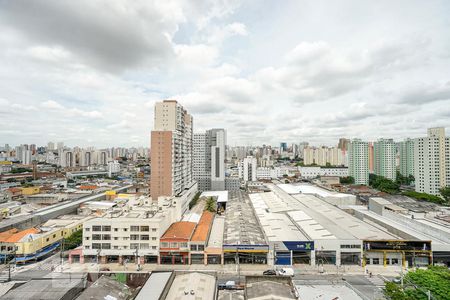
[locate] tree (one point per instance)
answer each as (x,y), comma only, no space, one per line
(424,197)
(383,184)
(210,205)
(404,180)
(394,291)
(347,180)
(73,240)
(445,192)
(194,200)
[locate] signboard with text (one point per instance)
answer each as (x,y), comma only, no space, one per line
(300,245)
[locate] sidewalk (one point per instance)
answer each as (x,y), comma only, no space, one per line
(232,269)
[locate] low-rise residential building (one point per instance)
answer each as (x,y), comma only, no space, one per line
(313,172)
(199,239)
(174,247)
(129,233)
(35,243)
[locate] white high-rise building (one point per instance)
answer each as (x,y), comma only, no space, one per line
(432,161)
(384,152)
(324,155)
(50,146)
(406,151)
(113,167)
(358,161)
(209,160)
(26,157)
(247,169)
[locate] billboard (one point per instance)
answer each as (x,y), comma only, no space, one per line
(300,245)
(245,248)
(397,245)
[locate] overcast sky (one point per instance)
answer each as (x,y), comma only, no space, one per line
(89,72)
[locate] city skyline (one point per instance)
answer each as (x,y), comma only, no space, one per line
(256,77)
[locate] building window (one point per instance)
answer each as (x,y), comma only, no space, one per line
(106,228)
(145,228)
(375,261)
(153,229)
(116,229)
(87,247)
(144,246)
(96,237)
(164,245)
(87,229)
(201,247)
(134,246)
(106,237)
(145,237)
(106,246)
(96,228)
(193,247)
(134,228)
(86,238)
(183,245)
(134,237)
(96,246)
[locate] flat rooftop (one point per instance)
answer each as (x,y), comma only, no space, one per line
(310,189)
(154,286)
(241,224)
(269,290)
(326,292)
(192,286)
(400,227)
(216,235)
(222,196)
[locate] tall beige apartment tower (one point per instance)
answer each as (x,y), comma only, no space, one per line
(432,161)
(171,150)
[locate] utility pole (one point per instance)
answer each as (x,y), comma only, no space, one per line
(61,253)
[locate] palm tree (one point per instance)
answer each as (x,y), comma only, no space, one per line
(210,205)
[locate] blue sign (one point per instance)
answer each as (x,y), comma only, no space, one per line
(300,246)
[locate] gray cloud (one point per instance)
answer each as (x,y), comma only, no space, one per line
(427,93)
(110,35)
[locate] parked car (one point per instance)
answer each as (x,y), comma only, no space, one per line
(270,272)
(286,272)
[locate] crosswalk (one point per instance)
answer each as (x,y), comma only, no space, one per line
(376,281)
(4,276)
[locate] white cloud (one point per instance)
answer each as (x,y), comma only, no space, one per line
(101,66)
(50,104)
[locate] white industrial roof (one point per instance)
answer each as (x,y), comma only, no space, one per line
(309,189)
(310,226)
(341,223)
(276,226)
(222,196)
